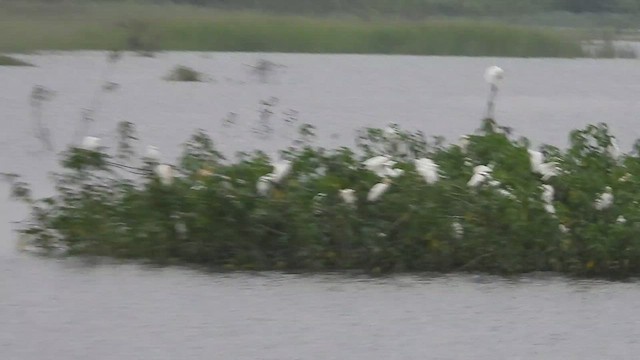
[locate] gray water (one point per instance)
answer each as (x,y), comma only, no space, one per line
(67,309)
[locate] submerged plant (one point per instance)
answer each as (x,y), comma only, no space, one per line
(184,73)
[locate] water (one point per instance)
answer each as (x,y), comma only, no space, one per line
(66,310)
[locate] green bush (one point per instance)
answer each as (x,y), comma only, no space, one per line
(184,73)
(210,211)
(11,61)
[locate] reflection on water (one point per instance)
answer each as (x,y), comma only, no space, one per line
(64,309)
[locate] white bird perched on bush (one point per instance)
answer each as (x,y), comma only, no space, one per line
(377,190)
(152,153)
(264,184)
(382,166)
(546,169)
(547,193)
(605,200)
(613,150)
(165,173)
(481,173)
(90,143)
(348,196)
(428,170)
(547,197)
(549,208)
(281,170)
(493,75)
(621,220)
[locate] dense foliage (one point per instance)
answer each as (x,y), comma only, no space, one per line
(322,214)
(421,8)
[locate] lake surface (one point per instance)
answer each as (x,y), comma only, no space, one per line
(66,309)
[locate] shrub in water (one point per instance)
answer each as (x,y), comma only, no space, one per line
(399,202)
(184,73)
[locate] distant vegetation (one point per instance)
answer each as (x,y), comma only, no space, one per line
(417,8)
(145,28)
(11,61)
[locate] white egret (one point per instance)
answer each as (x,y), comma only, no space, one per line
(621,220)
(90,143)
(264,184)
(379,165)
(348,196)
(536,158)
(152,153)
(376,162)
(605,200)
(427,169)
(550,209)
(382,166)
(481,173)
(377,190)
(494,75)
(394,173)
(280,171)
(547,193)
(457,229)
(546,169)
(613,150)
(165,173)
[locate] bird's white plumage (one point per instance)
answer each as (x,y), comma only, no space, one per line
(550,209)
(493,75)
(165,173)
(481,173)
(546,169)
(393,173)
(377,190)
(90,143)
(427,169)
(348,196)
(264,184)
(547,193)
(605,200)
(613,150)
(152,153)
(382,166)
(280,171)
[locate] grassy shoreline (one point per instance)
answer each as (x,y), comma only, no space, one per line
(148,27)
